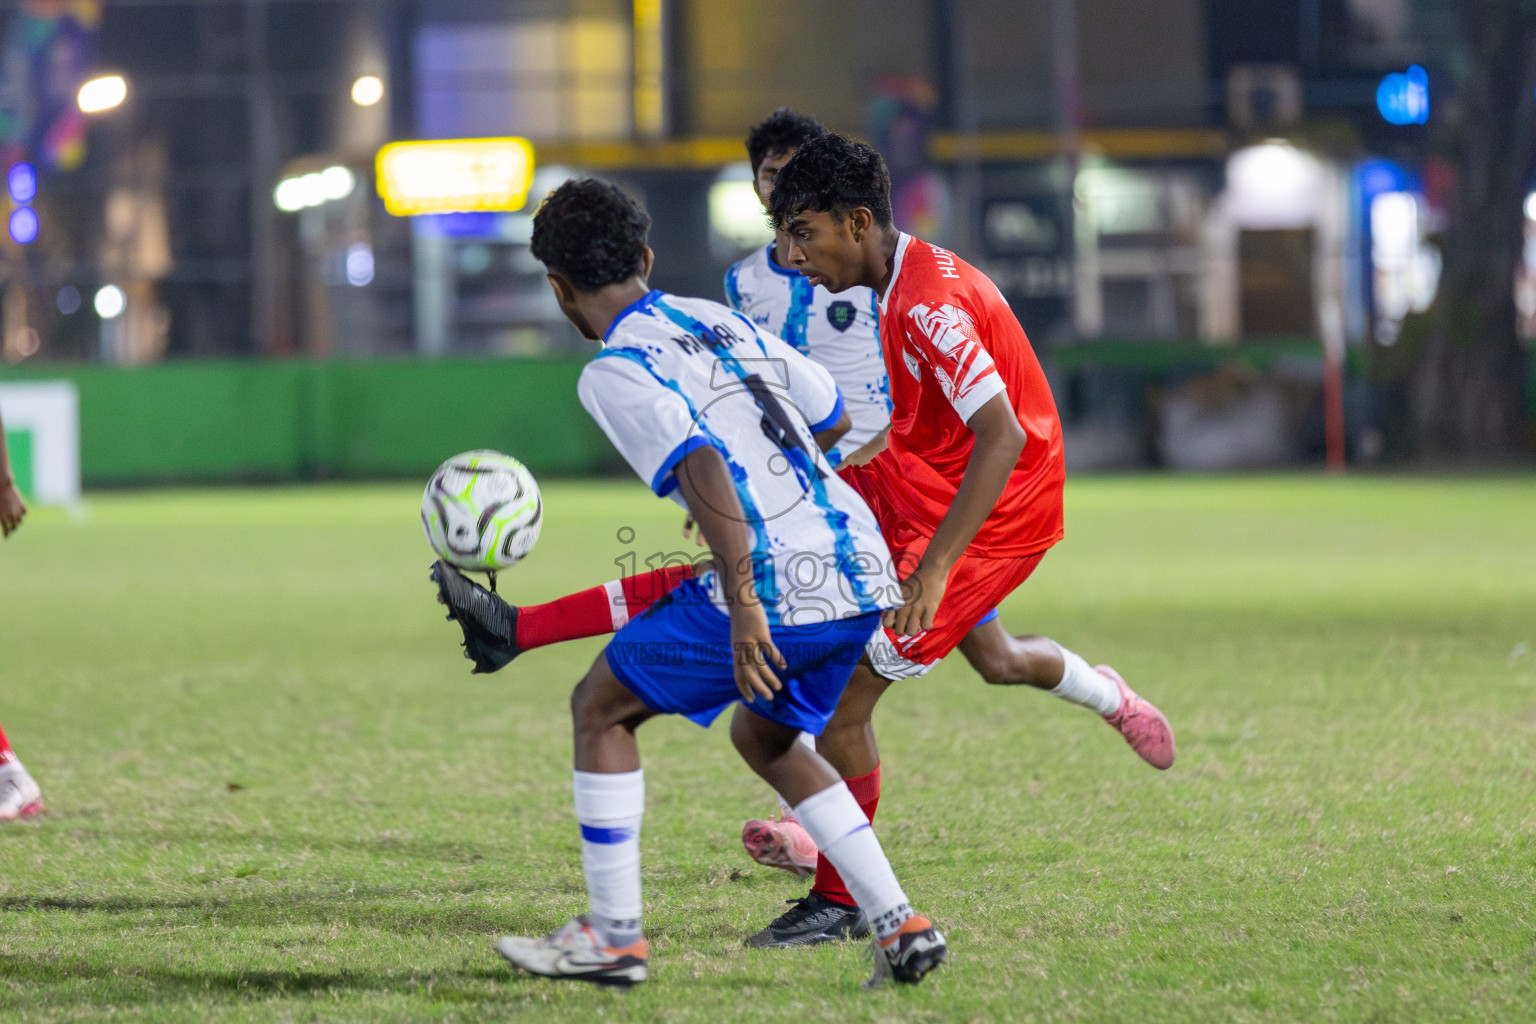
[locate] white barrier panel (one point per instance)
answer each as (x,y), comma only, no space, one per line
(49,411)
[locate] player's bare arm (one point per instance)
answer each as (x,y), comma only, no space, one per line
(705,482)
(12,507)
(999,442)
(873,447)
(825,439)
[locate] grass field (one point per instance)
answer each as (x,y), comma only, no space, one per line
(276,794)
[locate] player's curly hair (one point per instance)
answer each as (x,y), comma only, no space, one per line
(832,174)
(780,132)
(592,232)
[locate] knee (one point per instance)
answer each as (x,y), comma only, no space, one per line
(586,710)
(1023,661)
(996,668)
(847,722)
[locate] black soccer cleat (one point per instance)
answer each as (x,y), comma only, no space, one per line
(810,921)
(488,622)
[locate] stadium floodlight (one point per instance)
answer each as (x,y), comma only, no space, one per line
(288,195)
(305,190)
(337,182)
(455,176)
(110,302)
(103,93)
(735,212)
(367,90)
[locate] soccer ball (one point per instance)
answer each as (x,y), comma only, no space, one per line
(481,511)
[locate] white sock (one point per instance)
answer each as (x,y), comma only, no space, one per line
(785,810)
(842,833)
(1080,684)
(609,808)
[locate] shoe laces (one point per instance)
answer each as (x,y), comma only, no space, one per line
(881,975)
(799,909)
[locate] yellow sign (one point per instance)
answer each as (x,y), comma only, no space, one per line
(455,175)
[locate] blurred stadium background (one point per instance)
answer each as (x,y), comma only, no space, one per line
(1224,224)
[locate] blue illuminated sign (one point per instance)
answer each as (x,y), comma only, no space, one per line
(1403,96)
(22,182)
(23,225)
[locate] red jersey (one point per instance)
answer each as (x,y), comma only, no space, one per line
(950,344)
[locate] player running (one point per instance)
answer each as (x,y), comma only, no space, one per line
(20,796)
(723,418)
(968,490)
(823,324)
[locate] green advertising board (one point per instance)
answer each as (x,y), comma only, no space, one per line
(220,420)
(20,444)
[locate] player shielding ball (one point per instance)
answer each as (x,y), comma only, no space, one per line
(723,418)
(20,796)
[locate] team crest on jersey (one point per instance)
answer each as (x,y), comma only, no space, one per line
(841,315)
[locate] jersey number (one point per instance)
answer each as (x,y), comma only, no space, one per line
(779,427)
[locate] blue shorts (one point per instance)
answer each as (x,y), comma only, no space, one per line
(676,657)
(986,618)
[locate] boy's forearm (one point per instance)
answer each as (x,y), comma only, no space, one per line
(874,446)
(999,443)
(833,434)
(705,481)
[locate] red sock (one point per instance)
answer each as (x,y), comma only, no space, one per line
(866,790)
(7,755)
(596,610)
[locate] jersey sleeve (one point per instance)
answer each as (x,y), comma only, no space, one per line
(809,385)
(946,337)
(649,423)
(732,288)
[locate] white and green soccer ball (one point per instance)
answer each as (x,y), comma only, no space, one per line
(481,511)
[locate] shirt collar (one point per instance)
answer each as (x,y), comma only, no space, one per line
(774,264)
(901,251)
(640,305)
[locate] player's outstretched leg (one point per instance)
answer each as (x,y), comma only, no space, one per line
(488,622)
(906,945)
(1006,660)
(595,611)
(20,796)
(1144,727)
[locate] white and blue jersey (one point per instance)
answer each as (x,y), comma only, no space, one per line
(840,331)
(678,374)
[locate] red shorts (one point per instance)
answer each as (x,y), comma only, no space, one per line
(976,585)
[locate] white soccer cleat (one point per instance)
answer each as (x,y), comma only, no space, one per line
(20,796)
(574,951)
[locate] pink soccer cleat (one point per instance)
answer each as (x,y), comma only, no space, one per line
(19,795)
(780,844)
(1143,726)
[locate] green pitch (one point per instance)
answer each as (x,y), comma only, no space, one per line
(275,793)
